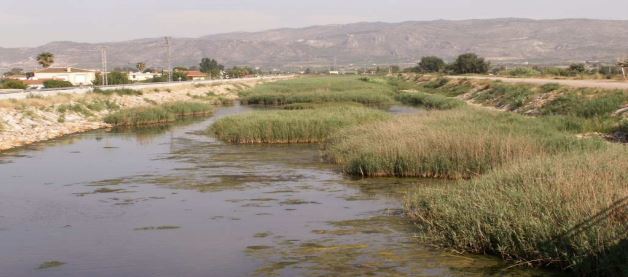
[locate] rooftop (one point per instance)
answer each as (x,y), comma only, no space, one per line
(63,70)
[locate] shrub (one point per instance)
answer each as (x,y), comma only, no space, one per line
(523,71)
(122,91)
(549,87)
(12,84)
(512,96)
(437,83)
(429,101)
(57,84)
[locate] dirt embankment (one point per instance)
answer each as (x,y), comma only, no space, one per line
(605,84)
(31,120)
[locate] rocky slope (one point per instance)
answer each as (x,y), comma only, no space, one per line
(31,120)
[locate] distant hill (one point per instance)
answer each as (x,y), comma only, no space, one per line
(500,40)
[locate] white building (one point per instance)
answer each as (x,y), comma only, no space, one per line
(142,76)
(76,76)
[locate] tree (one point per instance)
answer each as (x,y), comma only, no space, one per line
(469,63)
(211,67)
(140,66)
(577,68)
(57,84)
(239,72)
(431,64)
(46,59)
(14,71)
(113,78)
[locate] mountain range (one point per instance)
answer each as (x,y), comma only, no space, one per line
(502,41)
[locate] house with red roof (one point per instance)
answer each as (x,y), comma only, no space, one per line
(195,75)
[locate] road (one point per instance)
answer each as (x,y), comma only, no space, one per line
(606,84)
(22,94)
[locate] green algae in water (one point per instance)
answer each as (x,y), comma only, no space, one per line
(152,228)
(258,247)
(297,202)
(262,234)
(50,264)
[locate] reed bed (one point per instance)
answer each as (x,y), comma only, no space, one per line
(166,113)
(460,143)
(321,90)
(567,211)
(429,101)
(311,125)
(582,109)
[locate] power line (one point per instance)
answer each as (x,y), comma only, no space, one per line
(168,45)
(103,61)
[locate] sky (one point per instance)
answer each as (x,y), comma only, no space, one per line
(28,23)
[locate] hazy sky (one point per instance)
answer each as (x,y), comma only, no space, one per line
(36,22)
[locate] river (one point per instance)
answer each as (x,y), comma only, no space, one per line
(172,201)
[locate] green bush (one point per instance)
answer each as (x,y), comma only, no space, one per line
(12,84)
(523,71)
(57,84)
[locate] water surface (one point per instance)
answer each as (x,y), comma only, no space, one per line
(176,202)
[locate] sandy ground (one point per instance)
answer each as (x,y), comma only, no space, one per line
(606,84)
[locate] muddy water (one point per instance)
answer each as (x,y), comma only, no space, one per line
(175,202)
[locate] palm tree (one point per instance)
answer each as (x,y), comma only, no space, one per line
(46,59)
(140,66)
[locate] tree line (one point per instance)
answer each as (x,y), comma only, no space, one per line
(463,64)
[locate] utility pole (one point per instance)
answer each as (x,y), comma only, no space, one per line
(103,61)
(168,45)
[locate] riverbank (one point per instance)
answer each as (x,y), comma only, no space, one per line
(582,110)
(39,118)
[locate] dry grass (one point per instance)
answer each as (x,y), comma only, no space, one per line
(548,211)
(459,143)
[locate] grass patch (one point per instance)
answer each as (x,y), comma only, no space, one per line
(567,210)
(581,109)
(122,91)
(292,126)
(459,143)
(507,96)
(167,113)
(321,90)
(429,101)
